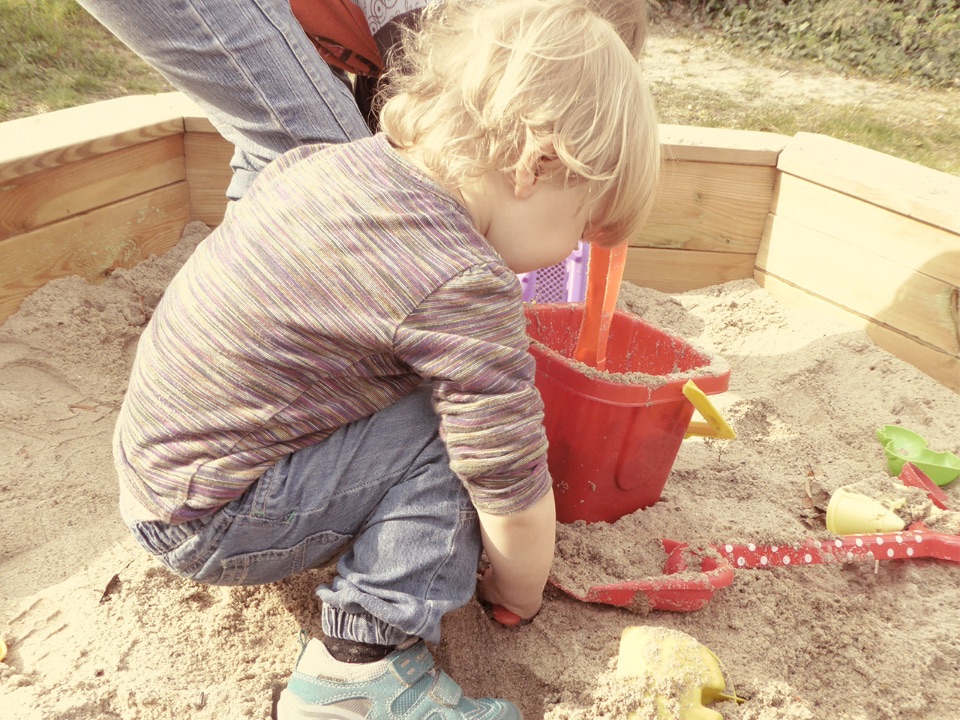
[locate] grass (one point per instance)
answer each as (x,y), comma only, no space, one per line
(750,90)
(909,132)
(58,57)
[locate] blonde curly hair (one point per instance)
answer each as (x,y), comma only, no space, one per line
(499,86)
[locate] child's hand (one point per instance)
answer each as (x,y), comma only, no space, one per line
(519,548)
(508,616)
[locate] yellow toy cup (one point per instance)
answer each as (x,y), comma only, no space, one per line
(652,654)
(850,513)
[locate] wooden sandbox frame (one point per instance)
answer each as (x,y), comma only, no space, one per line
(817,222)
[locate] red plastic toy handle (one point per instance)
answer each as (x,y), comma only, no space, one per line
(505,617)
(913,476)
(911,543)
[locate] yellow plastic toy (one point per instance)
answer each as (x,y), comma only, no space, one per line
(662,658)
(715,426)
(851,513)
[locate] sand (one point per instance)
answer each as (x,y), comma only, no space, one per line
(96,629)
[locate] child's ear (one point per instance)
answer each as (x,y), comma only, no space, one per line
(525,181)
(527,178)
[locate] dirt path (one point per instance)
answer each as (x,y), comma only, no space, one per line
(680,60)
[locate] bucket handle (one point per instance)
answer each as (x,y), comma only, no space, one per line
(715,426)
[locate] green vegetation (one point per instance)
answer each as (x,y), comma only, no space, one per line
(55,56)
(922,133)
(912,43)
(912,40)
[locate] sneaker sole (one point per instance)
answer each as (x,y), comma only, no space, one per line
(290,707)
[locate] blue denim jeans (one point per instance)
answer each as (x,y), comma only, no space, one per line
(249,65)
(381,490)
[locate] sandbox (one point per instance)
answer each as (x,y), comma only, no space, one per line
(826,275)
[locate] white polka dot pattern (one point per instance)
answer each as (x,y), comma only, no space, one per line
(887,546)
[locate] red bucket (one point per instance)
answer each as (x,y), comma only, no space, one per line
(614,436)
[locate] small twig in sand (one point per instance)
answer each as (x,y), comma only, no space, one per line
(113,585)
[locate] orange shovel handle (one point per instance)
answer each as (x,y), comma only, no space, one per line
(604,275)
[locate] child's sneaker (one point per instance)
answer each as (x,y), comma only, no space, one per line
(402,686)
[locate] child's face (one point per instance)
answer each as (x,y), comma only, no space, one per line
(534,223)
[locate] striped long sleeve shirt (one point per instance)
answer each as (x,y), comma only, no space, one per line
(342,280)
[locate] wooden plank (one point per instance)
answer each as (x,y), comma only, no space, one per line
(194,119)
(720,145)
(44,197)
(682,270)
(41,142)
(943,367)
(898,185)
(938,364)
(680,143)
(888,292)
(208,174)
(710,206)
(873,229)
(207,156)
(198,124)
(93,244)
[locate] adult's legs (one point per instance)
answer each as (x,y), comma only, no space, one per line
(248,64)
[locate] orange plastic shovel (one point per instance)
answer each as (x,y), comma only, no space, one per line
(604,274)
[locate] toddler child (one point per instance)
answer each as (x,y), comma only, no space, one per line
(341,370)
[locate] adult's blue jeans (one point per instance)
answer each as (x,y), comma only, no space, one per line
(248,65)
(379,490)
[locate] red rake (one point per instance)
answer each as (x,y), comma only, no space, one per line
(681,590)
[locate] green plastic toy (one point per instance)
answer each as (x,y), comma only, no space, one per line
(902,446)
